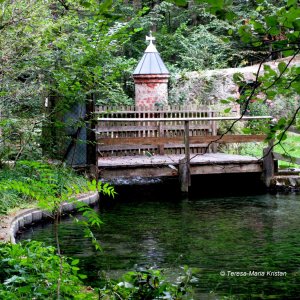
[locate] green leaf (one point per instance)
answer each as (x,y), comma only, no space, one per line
(271,20)
(271,94)
(75,262)
(180,2)
(281,122)
(238,77)
(282,136)
(297,70)
(287,53)
(227,110)
(274,31)
(296,86)
(282,67)
(224,101)
(291,2)
(105,5)
(256,25)
(246,130)
(230,16)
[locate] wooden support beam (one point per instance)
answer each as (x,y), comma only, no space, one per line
(268,164)
(184,175)
(161,147)
(187,150)
(214,132)
(184,164)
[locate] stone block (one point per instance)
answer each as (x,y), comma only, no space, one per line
(27,219)
(37,216)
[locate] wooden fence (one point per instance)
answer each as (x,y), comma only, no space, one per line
(124,131)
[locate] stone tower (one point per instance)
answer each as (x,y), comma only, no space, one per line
(151,79)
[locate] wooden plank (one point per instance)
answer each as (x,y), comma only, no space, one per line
(159,160)
(226,168)
(290,159)
(178,139)
(164,171)
(142,172)
(125,147)
(144,147)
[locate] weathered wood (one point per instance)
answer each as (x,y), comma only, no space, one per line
(113,128)
(184,175)
(187,150)
(147,146)
(185,119)
(132,141)
(112,173)
(165,160)
(160,166)
(214,128)
(178,139)
(137,172)
(290,159)
(230,168)
(184,164)
(268,164)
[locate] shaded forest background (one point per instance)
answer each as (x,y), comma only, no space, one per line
(55,54)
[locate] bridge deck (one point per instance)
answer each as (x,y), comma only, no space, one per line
(167,165)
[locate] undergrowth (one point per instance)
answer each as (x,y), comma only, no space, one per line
(25,172)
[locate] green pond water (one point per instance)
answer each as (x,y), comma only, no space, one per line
(219,235)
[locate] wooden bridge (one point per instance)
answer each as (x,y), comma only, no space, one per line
(169,141)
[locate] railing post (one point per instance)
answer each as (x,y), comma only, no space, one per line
(214,130)
(161,147)
(184,164)
(268,164)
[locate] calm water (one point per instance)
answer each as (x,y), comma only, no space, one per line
(234,233)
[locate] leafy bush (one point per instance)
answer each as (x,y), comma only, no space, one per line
(150,284)
(30,270)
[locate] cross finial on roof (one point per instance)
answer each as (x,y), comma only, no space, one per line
(150,38)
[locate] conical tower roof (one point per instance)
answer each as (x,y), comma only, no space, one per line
(151,62)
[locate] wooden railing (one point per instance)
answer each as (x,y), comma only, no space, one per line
(134,130)
(126,131)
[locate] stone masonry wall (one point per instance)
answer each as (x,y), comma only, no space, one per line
(151,90)
(210,86)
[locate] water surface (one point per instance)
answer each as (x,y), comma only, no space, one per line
(258,233)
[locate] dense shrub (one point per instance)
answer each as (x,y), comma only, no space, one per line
(32,271)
